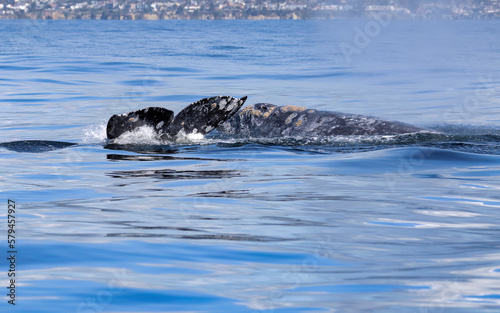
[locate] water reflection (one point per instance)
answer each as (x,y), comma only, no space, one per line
(176,174)
(125,157)
(149,157)
(144,149)
(271,280)
(221,237)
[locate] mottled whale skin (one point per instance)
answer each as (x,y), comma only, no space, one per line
(204,115)
(268,120)
(199,117)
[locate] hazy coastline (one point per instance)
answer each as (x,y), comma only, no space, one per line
(240,9)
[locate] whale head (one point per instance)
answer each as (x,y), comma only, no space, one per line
(156,117)
(199,118)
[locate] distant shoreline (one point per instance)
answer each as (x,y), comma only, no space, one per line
(182,13)
(253,18)
(248,10)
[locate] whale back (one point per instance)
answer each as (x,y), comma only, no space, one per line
(268,120)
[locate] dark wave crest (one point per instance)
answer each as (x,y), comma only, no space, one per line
(478,140)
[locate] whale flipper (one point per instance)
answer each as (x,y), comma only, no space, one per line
(199,117)
(204,115)
(156,117)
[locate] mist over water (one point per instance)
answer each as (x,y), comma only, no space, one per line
(403,223)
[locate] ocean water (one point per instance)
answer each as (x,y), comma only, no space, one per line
(349,224)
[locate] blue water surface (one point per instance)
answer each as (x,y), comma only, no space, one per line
(349,224)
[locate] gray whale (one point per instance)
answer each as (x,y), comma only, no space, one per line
(260,120)
(269,120)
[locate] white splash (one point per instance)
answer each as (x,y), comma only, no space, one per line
(144,135)
(184,138)
(94,134)
(195,137)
